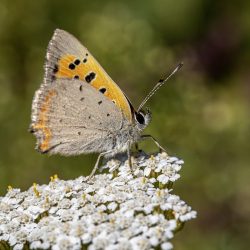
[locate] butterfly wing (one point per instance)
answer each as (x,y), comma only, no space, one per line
(68,58)
(70,117)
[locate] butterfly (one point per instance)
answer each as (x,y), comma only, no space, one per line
(79,109)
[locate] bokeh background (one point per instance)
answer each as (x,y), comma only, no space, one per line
(201,115)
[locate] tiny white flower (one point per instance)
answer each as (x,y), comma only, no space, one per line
(89,189)
(173,159)
(166,206)
(67,242)
(139,243)
(147,171)
(148,208)
(34,211)
(18,247)
(53,210)
(176,167)
(154,241)
(112,206)
(180,162)
(161,165)
(188,216)
(163,179)
(166,246)
(153,219)
(175,177)
(118,183)
(102,207)
(86,238)
(12,240)
(100,242)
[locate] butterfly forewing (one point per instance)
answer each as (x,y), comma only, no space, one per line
(68,58)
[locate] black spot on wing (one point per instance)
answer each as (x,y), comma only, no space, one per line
(90,77)
(84,60)
(31,129)
(100,102)
(77,62)
(103,90)
(53,78)
(55,69)
(72,66)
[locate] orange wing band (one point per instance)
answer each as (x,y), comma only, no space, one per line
(42,123)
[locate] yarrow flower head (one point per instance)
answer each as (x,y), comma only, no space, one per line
(115,210)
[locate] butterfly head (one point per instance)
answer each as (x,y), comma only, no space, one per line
(142,118)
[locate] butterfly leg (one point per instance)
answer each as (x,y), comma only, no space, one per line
(130,159)
(96,165)
(155,141)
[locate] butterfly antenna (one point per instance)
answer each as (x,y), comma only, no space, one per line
(158,85)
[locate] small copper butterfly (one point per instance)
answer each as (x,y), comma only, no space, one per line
(80,109)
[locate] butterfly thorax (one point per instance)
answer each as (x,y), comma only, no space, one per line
(124,138)
(131,133)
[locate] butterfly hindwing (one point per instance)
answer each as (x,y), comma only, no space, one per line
(70,117)
(68,58)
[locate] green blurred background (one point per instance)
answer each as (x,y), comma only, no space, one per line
(201,115)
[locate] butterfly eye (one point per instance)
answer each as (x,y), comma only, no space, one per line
(140,118)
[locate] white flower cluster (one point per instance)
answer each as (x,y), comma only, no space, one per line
(113,211)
